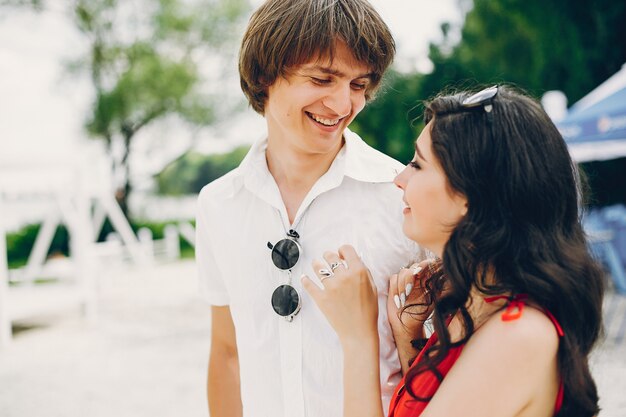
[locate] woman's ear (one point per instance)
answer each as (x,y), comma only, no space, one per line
(461,203)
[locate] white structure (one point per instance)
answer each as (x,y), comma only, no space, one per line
(75,192)
(555,104)
(5,321)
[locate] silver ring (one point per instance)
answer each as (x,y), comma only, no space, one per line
(335,265)
(325,273)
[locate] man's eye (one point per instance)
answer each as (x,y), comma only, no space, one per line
(359,86)
(320,81)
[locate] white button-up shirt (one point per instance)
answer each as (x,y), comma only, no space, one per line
(294,369)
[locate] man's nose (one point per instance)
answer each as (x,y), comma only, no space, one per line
(340,100)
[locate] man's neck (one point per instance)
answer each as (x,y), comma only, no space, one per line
(296,172)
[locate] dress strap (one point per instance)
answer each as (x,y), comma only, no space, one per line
(558,327)
(515,307)
(559,398)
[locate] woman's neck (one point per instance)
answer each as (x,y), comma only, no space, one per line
(478,309)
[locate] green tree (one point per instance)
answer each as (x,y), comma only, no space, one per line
(148,59)
(192,171)
(144,64)
(34,4)
(568,45)
(392,121)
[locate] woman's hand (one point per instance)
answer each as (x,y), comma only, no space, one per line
(349,296)
(349,302)
(407,288)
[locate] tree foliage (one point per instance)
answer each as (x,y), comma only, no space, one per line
(568,45)
(392,120)
(192,171)
(145,60)
(148,59)
(32,4)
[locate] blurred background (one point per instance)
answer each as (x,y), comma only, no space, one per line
(114,114)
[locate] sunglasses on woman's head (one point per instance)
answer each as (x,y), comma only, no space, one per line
(482,98)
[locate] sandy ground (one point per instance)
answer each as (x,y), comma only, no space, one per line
(146,354)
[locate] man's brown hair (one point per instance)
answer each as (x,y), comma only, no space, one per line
(282,34)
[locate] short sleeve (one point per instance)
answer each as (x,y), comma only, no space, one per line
(210,278)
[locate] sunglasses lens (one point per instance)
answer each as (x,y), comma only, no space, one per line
(285,300)
(285,254)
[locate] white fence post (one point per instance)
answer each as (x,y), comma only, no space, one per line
(81,251)
(146,242)
(5,320)
(172,243)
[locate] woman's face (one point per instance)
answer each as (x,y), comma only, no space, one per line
(432,208)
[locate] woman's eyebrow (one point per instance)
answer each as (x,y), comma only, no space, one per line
(419,153)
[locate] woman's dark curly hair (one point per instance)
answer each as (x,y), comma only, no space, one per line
(522,225)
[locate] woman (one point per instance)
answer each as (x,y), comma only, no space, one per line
(516,298)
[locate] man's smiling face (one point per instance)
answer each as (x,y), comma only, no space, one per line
(311,106)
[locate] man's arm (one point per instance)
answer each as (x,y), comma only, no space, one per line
(223,388)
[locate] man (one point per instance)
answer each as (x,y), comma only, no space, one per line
(308,66)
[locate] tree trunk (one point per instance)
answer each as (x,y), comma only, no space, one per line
(123,192)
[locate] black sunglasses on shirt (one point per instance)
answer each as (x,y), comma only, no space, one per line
(286,301)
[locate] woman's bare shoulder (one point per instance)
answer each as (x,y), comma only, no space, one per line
(532,335)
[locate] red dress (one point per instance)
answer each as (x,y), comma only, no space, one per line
(426,384)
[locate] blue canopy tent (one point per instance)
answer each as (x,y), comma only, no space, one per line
(595,130)
(595,127)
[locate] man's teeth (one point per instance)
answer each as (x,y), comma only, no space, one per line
(326,122)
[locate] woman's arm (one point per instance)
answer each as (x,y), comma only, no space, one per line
(349,302)
(361,375)
(406,351)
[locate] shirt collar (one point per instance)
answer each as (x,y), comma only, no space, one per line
(366,164)
(356,160)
